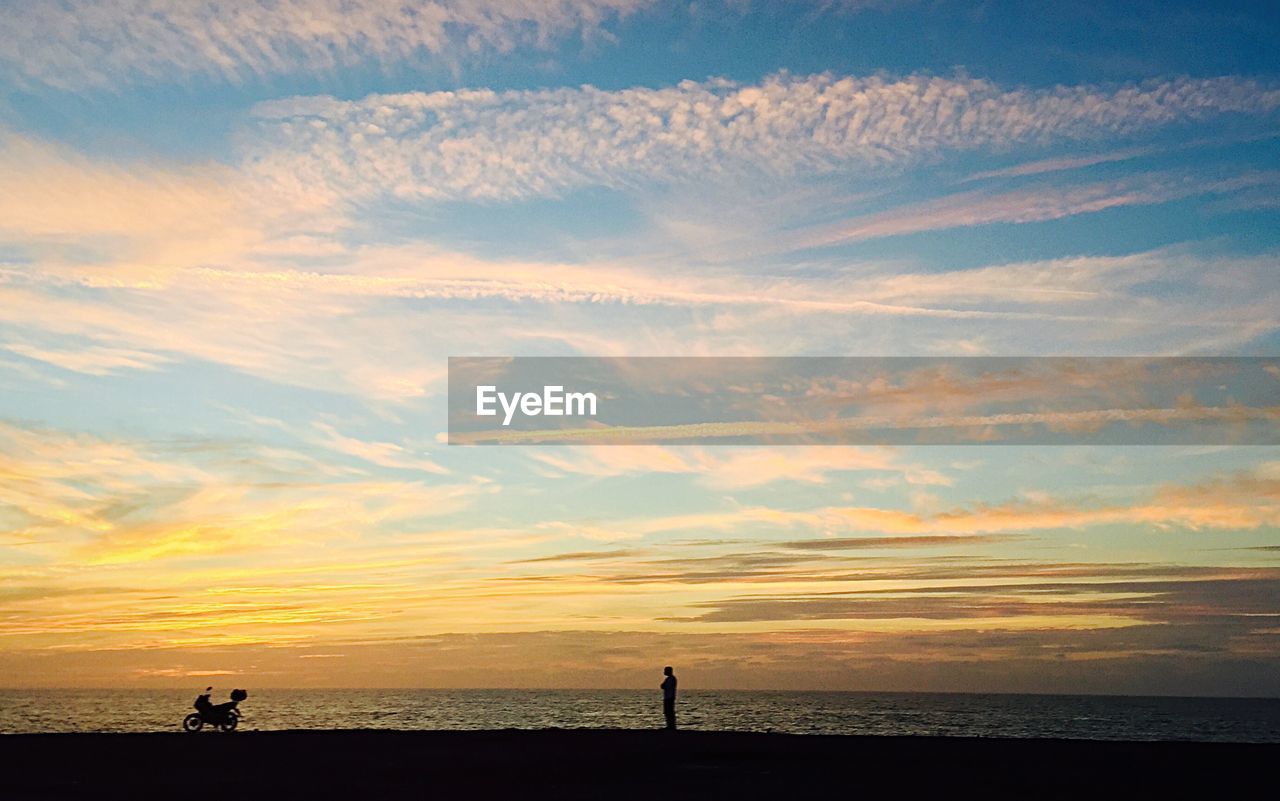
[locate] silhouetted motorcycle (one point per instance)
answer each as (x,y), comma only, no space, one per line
(224,716)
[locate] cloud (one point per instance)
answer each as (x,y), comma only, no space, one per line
(741,468)
(580,556)
(1026,206)
(62,206)
(232,517)
(917,541)
(1185,601)
(1058,164)
(100,501)
(133,266)
(1239,501)
(93,360)
(384,454)
(101,43)
(486,145)
(357,327)
(257,551)
(426,273)
(1064,282)
(126,266)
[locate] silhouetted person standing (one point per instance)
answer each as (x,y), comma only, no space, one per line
(669,697)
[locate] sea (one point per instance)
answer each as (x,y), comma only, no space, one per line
(858,713)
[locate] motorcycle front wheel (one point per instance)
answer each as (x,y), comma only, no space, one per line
(230,723)
(192,722)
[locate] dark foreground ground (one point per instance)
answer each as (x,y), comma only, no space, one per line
(585,764)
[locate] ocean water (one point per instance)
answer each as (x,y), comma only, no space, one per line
(1077,717)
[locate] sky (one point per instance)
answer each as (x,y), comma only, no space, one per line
(240,240)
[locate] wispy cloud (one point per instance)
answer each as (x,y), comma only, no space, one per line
(59,205)
(127,266)
(739,468)
(231,517)
(94,360)
(1236,502)
(102,501)
(440,144)
(1059,164)
(358,565)
(1185,601)
(906,541)
(1027,206)
(384,454)
(349,331)
(90,43)
(55,481)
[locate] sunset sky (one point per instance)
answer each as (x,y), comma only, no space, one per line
(239,241)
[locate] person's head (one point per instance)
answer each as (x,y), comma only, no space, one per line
(667,671)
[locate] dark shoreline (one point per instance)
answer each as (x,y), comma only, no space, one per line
(614,764)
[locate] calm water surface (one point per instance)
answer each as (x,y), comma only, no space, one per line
(1081,717)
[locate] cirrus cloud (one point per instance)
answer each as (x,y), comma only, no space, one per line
(94,43)
(488,145)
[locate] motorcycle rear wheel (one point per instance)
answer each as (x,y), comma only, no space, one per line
(192,722)
(230,723)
